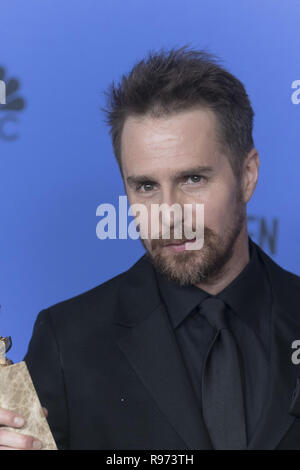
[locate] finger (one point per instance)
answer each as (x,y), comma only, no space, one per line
(45,411)
(9,418)
(17,440)
(8,448)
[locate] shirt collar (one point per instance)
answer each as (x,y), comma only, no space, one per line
(247,295)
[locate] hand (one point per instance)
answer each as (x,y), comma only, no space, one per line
(10,440)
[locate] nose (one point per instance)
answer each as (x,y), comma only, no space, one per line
(171,207)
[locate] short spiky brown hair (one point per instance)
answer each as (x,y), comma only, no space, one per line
(167,82)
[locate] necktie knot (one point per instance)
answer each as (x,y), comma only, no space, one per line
(214,310)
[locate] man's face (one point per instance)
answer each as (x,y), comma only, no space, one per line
(176,159)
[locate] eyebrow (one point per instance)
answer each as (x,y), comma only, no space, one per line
(138,179)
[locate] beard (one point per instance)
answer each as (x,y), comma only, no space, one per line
(204,265)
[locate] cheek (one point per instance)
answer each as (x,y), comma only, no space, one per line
(142,212)
(219,210)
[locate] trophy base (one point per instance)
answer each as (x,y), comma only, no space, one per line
(17,393)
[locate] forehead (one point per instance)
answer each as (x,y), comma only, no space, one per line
(187,137)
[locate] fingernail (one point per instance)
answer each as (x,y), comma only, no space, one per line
(37,444)
(18,421)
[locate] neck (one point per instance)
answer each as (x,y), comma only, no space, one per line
(233,267)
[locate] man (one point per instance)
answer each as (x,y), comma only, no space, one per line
(188,349)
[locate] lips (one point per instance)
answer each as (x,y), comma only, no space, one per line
(178,246)
(177,243)
(180,242)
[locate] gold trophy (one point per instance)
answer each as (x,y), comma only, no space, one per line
(17,394)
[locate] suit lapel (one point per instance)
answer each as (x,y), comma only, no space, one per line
(146,338)
(285,328)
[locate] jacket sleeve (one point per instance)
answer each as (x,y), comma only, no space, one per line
(44,363)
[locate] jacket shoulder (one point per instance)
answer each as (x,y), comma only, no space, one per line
(278,270)
(285,285)
(99,301)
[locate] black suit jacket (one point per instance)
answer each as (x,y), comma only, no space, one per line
(108,368)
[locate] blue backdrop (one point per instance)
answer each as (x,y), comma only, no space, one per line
(56,159)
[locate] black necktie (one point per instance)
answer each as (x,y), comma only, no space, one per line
(222,392)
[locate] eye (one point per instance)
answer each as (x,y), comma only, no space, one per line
(145,187)
(195,178)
